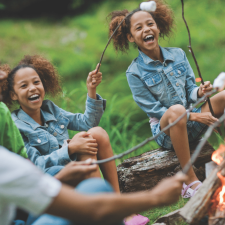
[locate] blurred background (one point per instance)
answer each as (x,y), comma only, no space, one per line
(73,33)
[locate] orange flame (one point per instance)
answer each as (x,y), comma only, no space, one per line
(217,158)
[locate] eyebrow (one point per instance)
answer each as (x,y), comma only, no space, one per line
(22,81)
(141,23)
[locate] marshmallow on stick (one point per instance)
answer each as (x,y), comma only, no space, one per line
(219,82)
(148,6)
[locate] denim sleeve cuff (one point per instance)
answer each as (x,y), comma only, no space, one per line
(63,154)
(96,103)
(194,96)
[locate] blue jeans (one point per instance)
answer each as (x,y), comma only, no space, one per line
(89,186)
(194,129)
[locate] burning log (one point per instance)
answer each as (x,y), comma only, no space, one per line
(206,200)
(146,170)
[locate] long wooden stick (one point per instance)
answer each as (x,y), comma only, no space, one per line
(196,63)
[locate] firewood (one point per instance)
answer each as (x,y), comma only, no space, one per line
(198,206)
(146,170)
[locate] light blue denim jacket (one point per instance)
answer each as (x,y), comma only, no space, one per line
(156,86)
(45,143)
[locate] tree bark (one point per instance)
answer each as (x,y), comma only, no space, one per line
(144,171)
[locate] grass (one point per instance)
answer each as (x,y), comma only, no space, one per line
(74,45)
(156,213)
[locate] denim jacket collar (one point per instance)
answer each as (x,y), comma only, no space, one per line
(27,119)
(166,56)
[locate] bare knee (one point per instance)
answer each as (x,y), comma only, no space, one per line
(83,157)
(99,134)
(175,112)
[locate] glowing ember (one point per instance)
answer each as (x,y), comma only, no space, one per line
(216,156)
(218,197)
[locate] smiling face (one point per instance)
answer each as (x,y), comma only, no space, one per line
(28,90)
(144,32)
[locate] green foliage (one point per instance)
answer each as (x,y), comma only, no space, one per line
(75,44)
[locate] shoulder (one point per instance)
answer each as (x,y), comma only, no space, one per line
(4,111)
(133,67)
(176,52)
(51,107)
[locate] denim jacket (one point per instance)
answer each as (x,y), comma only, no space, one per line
(45,144)
(156,86)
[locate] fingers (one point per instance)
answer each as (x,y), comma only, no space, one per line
(181,177)
(84,134)
(98,66)
(206,87)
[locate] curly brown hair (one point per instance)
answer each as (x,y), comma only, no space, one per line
(46,71)
(163,17)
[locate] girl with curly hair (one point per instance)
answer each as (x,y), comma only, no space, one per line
(163,83)
(43,125)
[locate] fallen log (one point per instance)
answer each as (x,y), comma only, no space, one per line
(172,218)
(144,171)
(198,206)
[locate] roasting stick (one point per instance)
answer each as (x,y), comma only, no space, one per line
(145,6)
(196,63)
(154,137)
(218,85)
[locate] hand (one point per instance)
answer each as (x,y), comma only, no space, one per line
(83,143)
(203,89)
(169,189)
(94,79)
(205,117)
(74,172)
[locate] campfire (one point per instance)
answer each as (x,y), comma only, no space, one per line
(217,210)
(210,198)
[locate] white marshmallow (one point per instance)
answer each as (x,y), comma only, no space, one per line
(148,6)
(219,82)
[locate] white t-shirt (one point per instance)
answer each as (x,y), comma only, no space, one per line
(23,185)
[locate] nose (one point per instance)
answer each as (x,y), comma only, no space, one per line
(146,29)
(32,87)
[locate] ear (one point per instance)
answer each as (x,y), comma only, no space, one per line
(130,38)
(13,96)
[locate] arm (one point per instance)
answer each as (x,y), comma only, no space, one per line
(111,208)
(56,158)
(144,98)
(10,138)
(28,188)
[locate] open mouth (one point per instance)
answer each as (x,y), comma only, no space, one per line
(149,38)
(34,97)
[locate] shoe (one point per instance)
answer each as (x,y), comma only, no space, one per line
(187,192)
(137,220)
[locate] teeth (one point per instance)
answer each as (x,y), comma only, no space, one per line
(33,96)
(149,36)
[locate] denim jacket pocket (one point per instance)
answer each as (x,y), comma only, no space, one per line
(154,83)
(62,123)
(179,70)
(37,138)
(180,73)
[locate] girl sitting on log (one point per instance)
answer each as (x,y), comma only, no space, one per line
(163,83)
(44,126)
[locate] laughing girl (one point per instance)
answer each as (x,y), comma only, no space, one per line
(163,83)
(44,126)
